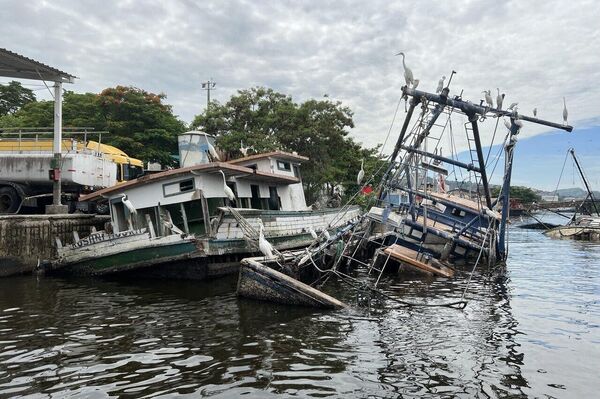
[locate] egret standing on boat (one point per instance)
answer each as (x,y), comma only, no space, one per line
(440,85)
(244,150)
(263,245)
(408,75)
(488,98)
(213,152)
(228,191)
(565,112)
(513,107)
(129,205)
(361,172)
(499,99)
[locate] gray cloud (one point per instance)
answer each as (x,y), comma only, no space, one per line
(534,51)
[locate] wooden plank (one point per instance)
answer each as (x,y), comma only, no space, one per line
(410,257)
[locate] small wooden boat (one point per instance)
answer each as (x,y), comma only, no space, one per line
(418,261)
(258,281)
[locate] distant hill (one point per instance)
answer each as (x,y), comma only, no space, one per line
(573,192)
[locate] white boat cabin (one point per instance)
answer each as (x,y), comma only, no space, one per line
(191,195)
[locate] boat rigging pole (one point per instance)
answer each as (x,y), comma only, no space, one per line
(585,182)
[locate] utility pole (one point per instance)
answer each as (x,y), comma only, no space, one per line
(208,86)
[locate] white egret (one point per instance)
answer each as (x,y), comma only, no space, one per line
(513,107)
(565,112)
(535,112)
(488,98)
(263,245)
(228,191)
(408,75)
(129,205)
(213,152)
(361,172)
(313,233)
(499,99)
(519,123)
(244,150)
(440,86)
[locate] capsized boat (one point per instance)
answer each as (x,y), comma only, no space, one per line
(580,227)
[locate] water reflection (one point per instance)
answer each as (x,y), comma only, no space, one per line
(534,332)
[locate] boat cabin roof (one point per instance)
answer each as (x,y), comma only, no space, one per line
(287,156)
(213,167)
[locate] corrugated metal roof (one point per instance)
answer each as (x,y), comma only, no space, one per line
(14,65)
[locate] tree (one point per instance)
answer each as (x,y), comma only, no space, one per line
(13,97)
(524,194)
(319,129)
(138,122)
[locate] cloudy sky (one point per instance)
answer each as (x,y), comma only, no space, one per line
(534,51)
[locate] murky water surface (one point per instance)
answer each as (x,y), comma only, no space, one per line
(535,334)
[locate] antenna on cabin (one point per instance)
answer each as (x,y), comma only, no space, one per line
(208,86)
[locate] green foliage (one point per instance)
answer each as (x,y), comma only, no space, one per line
(319,129)
(524,194)
(13,96)
(139,122)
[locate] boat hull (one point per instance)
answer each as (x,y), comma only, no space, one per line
(257,281)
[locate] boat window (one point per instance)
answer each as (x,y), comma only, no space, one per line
(119,172)
(182,186)
(297,171)
(281,165)
(458,212)
(133,172)
(186,185)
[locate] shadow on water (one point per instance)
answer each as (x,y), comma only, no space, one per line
(535,334)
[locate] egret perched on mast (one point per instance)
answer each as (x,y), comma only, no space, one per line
(408,75)
(565,112)
(499,99)
(440,86)
(513,107)
(488,98)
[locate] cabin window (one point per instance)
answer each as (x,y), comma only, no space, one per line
(282,165)
(179,187)
(458,212)
(119,172)
(297,171)
(244,202)
(274,202)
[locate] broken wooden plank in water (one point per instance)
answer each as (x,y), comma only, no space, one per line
(417,260)
(257,281)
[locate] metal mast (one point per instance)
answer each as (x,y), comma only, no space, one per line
(208,86)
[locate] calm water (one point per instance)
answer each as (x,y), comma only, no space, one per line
(535,334)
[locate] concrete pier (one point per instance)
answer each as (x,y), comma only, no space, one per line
(25,239)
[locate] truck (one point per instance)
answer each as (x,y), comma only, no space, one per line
(27,166)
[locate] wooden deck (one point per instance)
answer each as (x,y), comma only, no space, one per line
(418,261)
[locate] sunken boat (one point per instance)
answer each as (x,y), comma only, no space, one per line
(209,208)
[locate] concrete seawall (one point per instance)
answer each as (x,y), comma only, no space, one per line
(26,238)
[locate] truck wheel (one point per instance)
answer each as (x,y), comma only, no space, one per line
(9,200)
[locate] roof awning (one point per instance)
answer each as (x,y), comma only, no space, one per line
(13,65)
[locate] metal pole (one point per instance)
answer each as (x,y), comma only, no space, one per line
(57,142)
(587,187)
(509,151)
(482,171)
